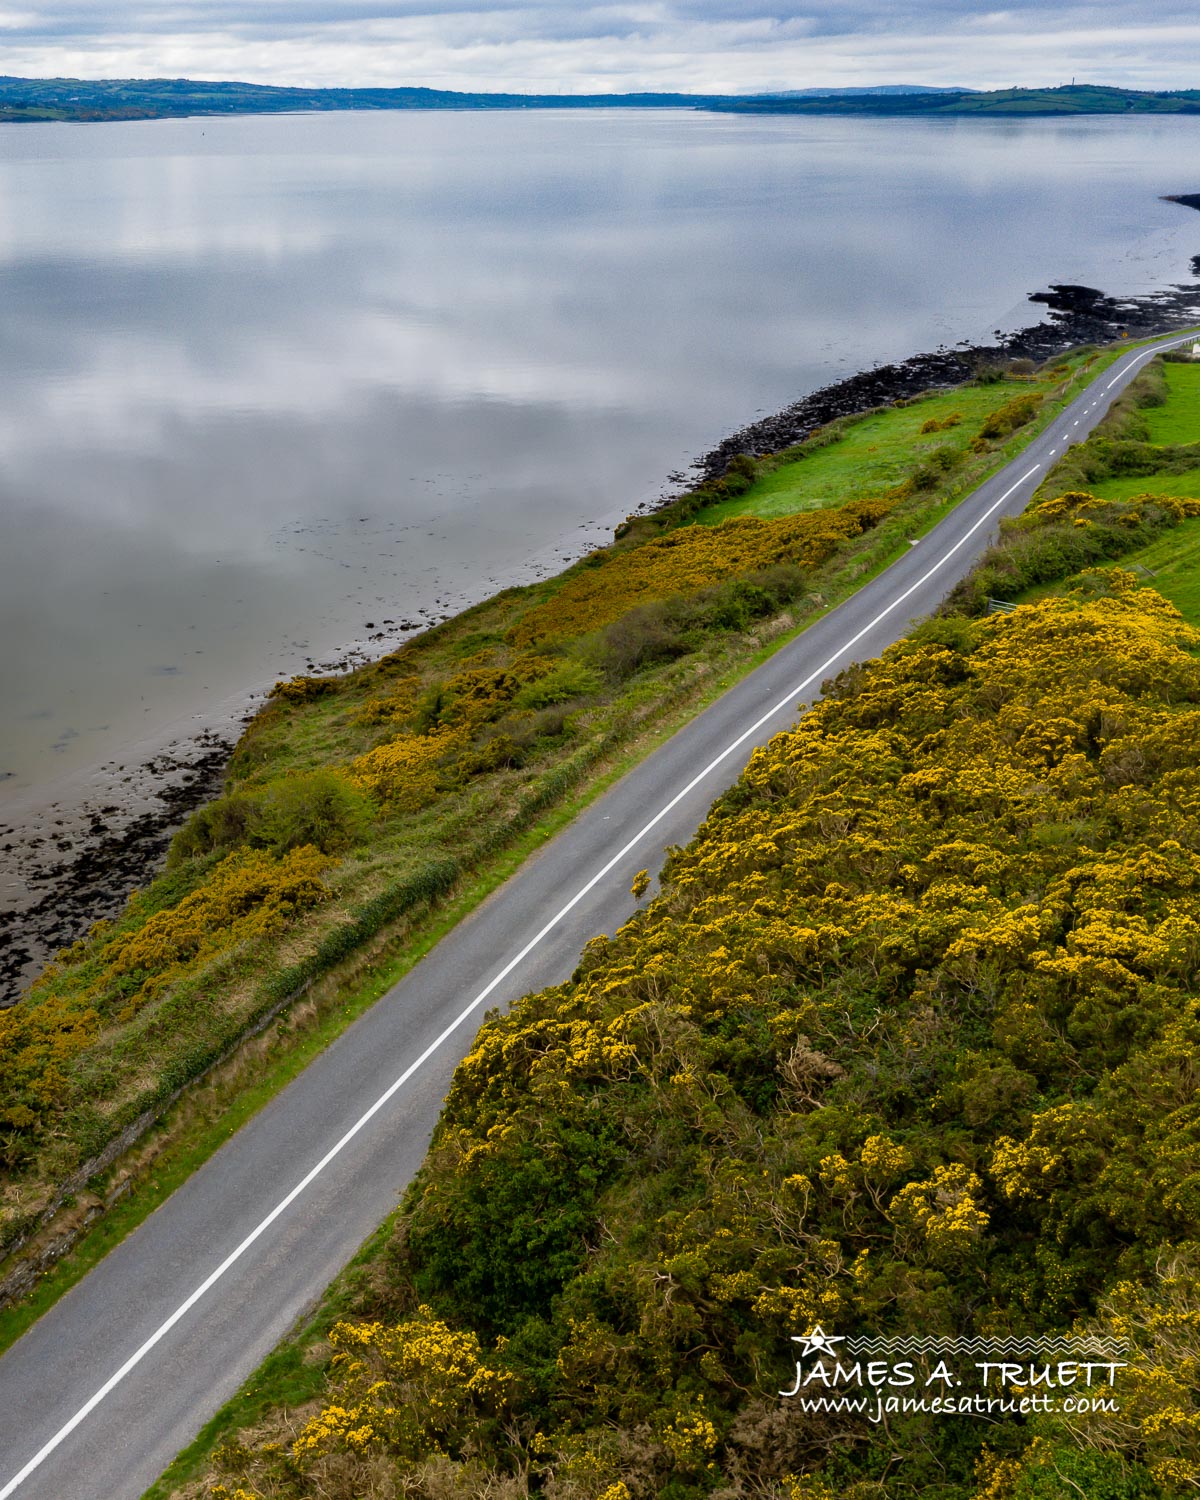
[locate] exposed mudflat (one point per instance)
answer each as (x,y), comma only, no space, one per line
(72,862)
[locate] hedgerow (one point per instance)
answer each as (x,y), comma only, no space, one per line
(1064,536)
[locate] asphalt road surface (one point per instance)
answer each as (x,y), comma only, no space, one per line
(99,1396)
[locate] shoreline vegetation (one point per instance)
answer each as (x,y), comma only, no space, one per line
(34,100)
(356,806)
(905,1046)
(100,849)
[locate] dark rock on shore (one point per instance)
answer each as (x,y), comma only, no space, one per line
(1078,315)
(110,849)
(1065,298)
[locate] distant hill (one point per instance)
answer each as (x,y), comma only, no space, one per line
(147,98)
(32,99)
(1070,99)
(878,90)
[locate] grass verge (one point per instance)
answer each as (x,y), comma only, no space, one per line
(301,1352)
(288,1379)
(195,1127)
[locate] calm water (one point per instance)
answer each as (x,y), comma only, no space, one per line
(267,380)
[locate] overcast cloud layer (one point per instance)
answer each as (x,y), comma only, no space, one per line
(577,46)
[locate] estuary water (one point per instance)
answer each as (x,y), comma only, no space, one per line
(272,389)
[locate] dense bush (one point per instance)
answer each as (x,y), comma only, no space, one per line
(1062,537)
(304,689)
(568,680)
(1013,414)
(907,1044)
(321,808)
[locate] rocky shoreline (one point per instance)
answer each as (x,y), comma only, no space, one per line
(79,863)
(1077,315)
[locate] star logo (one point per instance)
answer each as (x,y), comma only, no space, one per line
(817,1342)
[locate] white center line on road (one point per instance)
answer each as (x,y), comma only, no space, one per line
(1133,363)
(281,1207)
(235,1255)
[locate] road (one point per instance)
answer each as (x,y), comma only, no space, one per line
(98,1397)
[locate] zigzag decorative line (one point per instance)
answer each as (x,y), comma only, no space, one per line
(983,1346)
(1063,1347)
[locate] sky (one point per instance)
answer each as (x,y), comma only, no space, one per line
(580,46)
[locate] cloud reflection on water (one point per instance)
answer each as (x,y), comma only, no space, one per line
(227,341)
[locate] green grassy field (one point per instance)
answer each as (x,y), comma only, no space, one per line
(1171,567)
(1186,486)
(1175,558)
(1179,420)
(1171,562)
(873,453)
(1175,562)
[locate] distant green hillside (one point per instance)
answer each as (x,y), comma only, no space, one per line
(148,98)
(1071,99)
(34,99)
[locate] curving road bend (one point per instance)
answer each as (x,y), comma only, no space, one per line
(98,1397)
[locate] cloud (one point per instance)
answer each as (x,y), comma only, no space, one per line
(576,46)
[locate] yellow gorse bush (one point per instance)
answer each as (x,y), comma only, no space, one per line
(248,896)
(1077,505)
(406,772)
(414,1388)
(944,1212)
(691,558)
(251,893)
(907,1045)
(1159,1390)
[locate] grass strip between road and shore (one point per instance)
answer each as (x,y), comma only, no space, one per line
(294,1373)
(186,1138)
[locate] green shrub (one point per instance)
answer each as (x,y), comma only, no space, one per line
(1052,1474)
(1013,414)
(510,1234)
(220,825)
(929,475)
(321,808)
(644,635)
(740,473)
(574,679)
